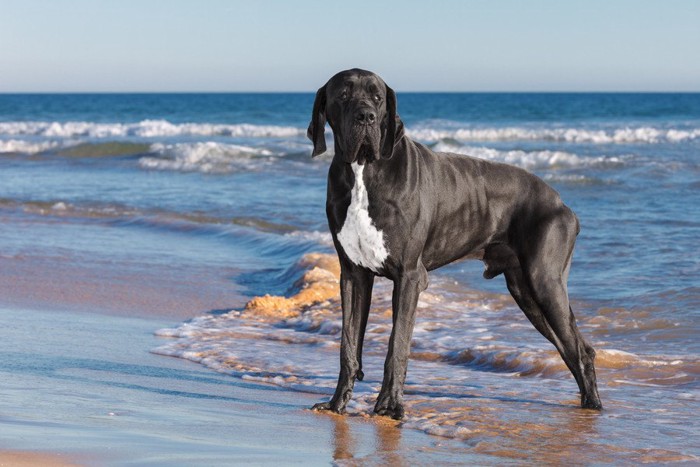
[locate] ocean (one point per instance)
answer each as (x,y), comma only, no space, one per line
(221,187)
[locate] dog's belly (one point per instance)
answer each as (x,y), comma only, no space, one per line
(362,242)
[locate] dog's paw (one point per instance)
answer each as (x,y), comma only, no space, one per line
(591,402)
(329,406)
(389,407)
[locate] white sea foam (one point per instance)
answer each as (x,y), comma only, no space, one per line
(455,327)
(300,352)
(569,135)
(208,157)
(682,135)
(145,129)
(530,159)
(576,179)
(467,357)
(26,147)
(427,133)
(322,238)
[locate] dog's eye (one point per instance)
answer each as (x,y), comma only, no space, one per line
(344,96)
(377,98)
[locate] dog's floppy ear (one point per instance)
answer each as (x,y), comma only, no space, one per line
(317,127)
(392,126)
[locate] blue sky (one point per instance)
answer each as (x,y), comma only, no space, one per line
(266,45)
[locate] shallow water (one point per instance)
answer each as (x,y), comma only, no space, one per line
(469,377)
(218,192)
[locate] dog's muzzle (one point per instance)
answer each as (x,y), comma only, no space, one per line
(362,140)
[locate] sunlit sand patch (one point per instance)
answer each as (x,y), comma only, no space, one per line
(318,284)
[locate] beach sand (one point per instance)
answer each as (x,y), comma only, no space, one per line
(27,459)
(80,386)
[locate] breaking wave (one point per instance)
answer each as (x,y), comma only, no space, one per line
(14,146)
(421,132)
(145,129)
(569,135)
(207,157)
(533,159)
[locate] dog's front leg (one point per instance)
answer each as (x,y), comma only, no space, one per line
(356,293)
(407,288)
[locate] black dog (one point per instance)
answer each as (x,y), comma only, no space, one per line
(397,209)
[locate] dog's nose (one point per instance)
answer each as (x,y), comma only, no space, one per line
(366,116)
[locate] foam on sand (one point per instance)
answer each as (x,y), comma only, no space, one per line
(455,328)
(461,338)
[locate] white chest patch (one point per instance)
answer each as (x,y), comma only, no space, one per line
(361,240)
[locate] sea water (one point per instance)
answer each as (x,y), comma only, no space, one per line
(224,183)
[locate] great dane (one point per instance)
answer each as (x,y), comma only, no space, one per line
(397,209)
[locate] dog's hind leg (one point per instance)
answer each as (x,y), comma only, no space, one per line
(522,294)
(520,290)
(499,259)
(545,264)
(356,294)
(407,288)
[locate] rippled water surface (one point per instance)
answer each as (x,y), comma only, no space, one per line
(221,188)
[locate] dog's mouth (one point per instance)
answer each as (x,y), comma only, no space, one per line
(366,153)
(363,145)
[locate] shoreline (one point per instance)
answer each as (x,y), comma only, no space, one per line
(110,401)
(83,386)
(82,383)
(137,290)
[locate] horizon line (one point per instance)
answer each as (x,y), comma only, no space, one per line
(398,91)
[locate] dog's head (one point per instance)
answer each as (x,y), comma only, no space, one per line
(361,110)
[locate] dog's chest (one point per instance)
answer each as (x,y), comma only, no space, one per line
(362,242)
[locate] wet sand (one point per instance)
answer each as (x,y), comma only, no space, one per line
(79,382)
(122,289)
(27,459)
(86,386)
(517,407)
